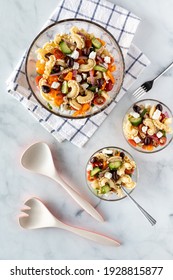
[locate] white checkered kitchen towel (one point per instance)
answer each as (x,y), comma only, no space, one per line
(122,24)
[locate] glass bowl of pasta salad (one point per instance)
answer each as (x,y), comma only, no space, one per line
(147,126)
(75,68)
(107,170)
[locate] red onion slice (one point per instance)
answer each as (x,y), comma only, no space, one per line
(166,114)
(99,58)
(83,57)
(74,73)
(92,77)
(82,35)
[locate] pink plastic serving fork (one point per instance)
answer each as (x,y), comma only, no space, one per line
(36,215)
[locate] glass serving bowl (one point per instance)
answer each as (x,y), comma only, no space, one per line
(146,126)
(100,183)
(62,27)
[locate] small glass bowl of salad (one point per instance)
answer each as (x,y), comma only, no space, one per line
(147,126)
(74,68)
(107,170)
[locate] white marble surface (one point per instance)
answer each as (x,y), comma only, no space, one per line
(20,22)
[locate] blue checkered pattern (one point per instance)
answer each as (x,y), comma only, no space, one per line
(122,24)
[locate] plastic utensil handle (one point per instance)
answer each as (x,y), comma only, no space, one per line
(102,239)
(81,201)
(145,213)
(167,68)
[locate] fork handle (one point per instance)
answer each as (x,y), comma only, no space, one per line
(163,72)
(77,197)
(102,239)
(144,212)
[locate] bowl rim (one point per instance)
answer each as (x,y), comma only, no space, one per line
(80,20)
(116,148)
(142,150)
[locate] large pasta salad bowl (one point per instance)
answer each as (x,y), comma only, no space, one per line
(147,126)
(107,170)
(75,68)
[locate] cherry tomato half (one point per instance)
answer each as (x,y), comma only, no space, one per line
(99,100)
(129,172)
(88,43)
(162,117)
(109,86)
(37,79)
(162,140)
(132,142)
(58,54)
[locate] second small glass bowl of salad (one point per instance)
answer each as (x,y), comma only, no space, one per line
(107,170)
(147,126)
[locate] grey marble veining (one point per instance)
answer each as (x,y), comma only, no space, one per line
(20,24)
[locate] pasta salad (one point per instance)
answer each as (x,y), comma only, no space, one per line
(147,125)
(75,72)
(108,170)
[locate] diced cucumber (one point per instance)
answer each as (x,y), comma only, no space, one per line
(143,113)
(64,48)
(164,132)
(96,43)
(115,165)
(95,171)
(135,121)
(64,87)
(92,88)
(100,68)
(105,189)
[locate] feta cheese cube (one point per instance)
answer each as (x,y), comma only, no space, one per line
(135,115)
(107,59)
(92,55)
(89,167)
(55,85)
(76,66)
(137,139)
(85,86)
(75,54)
(159,134)
(107,151)
(156,114)
(78,78)
(84,75)
(108,175)
(144,128)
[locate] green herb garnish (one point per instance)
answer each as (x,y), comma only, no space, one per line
(50,107)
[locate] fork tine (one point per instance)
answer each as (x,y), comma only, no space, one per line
(137,91)
(142,91)
(25,211)
(29,202)
(141,94)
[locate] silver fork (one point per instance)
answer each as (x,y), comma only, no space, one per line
(139,92)
(145,213)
